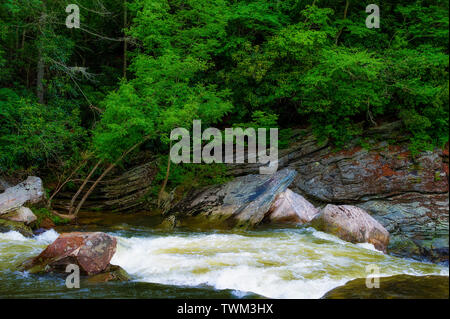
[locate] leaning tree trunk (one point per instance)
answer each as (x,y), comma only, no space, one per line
(110,167)
(82,186)
(40,78)
(60,186)
(166,179)
(125,42)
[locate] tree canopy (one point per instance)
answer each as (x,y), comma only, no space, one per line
(136,69)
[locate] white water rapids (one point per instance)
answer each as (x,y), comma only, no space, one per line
(285,263)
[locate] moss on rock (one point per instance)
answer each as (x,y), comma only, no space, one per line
(8,225)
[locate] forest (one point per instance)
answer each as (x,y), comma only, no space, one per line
(77,102)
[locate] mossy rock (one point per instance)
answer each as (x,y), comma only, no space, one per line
(111,273)
(8,225)
(394,287)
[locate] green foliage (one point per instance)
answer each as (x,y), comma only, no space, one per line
(189,176)
(259,63)
(34,135)
(43,213)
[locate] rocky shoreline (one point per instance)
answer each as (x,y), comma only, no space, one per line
(408,195)
(382,196)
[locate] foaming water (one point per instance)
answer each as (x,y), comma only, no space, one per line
(300,263)
(282,263)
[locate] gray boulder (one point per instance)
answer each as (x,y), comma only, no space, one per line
(22,214)
(352,224)
(31,191)
(290,207)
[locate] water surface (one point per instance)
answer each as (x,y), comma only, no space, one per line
(274,263)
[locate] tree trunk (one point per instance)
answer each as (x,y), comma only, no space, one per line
(163,187)
(110,167)
(65,182)
(347,3)
(125,42)
(40,77)
(82,186)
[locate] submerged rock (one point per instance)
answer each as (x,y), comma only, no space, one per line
(92,252)
(394,287)
(352,224)
(243,202)
(290,207)
(22,215)
(8,225)
(111,273)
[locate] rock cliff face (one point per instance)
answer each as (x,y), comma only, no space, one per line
(119,192)
(409,197)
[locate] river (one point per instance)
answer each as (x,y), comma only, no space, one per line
(269,262)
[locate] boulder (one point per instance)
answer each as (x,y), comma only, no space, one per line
(92,252)
(352,224)
(394,287)
(243,202)
(30,191)
(8,225)
(290,207)
(21,214)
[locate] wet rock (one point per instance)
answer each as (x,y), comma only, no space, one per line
(22,214)
(47,223)
(111,273)
(39,231)
(290,207)
(8,225)
(394,287)
(92,252)
(30,191)
(417,223)
(242,202)
(352,224)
